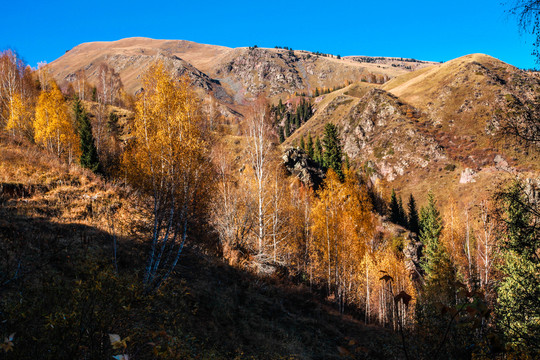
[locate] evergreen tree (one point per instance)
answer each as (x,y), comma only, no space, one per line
(78,112)
(439,273)
(316,92)
(281,135)
(302,143)
(402,215)
(394,208)
(89,156)
(319,152)
(310,150)
(518,301)
(333,157)
(287,127)
(413,220)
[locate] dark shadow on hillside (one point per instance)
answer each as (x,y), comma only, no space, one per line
(59,287)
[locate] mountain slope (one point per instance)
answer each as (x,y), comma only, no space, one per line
(243,72)
(435,128)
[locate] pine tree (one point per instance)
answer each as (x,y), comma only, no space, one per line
(281,135)
(319,152)
(402,215)
(394,208)
(94,94)
(436,263)
(310,150)
(302,143)
(413,221)
(89,156)
(333,157)
(518,301)
(287,127)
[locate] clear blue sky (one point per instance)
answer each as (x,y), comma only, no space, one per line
(44,30)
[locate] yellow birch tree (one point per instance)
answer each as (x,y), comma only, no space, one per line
(53,127)
(168,160)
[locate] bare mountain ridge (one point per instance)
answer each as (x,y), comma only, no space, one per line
(227,73)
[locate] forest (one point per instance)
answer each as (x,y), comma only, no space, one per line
(182,184)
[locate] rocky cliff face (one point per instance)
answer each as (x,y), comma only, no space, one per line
(262,71)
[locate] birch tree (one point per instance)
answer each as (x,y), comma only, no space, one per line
(168,161)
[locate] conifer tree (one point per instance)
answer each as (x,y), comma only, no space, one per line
(413,220)
(287,127)
(302,143)
(89,156)
(318,152)
(518,301)
(402,214)
(439,273)
(309,146)
(332,157)
(281,135)
(394,208)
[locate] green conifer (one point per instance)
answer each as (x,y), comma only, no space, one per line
(333,156)
(412,219)
(89,156)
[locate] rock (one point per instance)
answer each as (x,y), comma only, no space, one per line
(303,167)
(412,249)
(467,176)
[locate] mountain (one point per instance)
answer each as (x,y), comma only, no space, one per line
(437,128)
(231,75)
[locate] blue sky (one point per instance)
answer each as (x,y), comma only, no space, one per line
(427,30)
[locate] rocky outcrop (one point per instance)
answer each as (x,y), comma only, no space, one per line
(300,165)
(381,128)
(260,70)
(412,249)
(467,176)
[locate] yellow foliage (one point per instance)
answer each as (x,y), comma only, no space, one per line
(168,144)
(53,127)
(342,228)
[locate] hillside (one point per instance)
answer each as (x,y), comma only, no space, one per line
(435,128)
(226,73)
(62,222)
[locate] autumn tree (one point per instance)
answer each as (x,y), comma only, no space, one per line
(53,127)
(259,152)
(486,243)
(342,228)
(232,207)
(16,94)
(168,161)
(109,84)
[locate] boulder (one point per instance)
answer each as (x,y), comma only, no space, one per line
(299,164)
